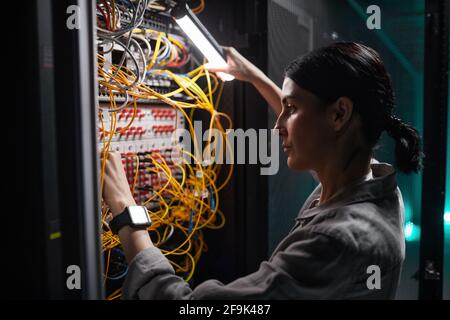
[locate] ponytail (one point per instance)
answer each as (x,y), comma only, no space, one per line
(408,154)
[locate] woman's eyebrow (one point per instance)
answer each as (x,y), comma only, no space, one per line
(292,97)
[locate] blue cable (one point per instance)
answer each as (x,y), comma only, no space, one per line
(124,273)
(166,53)
(212,200)
(191,221)
(119,276)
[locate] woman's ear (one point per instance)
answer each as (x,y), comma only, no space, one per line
(340,113)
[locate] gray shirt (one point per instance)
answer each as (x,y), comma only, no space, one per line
(334,251)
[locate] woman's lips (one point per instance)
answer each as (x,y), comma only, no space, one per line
(286,148)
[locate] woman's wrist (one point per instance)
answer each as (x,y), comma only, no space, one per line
(255,76)
(134,241)
(119,205)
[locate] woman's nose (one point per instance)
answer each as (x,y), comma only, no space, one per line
(279,125)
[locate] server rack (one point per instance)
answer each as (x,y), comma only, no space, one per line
(59,107)
(435,137)
(56,154)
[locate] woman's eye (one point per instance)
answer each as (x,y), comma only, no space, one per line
(290,108)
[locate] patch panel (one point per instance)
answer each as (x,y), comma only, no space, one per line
(121,98)
(148,130)
(141,176)
(148,123)
(159,83)
(159,21)
(156,20)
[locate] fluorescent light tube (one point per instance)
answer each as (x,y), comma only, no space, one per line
(215,59)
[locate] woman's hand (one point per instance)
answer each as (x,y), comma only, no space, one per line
(117,195)
(116,190)
(244,70)
(238,66)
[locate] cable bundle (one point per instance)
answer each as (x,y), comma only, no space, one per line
(184,200)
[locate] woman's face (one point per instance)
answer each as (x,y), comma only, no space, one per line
(305,133)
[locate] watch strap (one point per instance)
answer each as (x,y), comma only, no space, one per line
(119,221)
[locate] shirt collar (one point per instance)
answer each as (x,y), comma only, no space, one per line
(384,182)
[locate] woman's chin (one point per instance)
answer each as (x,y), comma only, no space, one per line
(296,164)
(291,163)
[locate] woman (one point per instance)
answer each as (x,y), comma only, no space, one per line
(347,242)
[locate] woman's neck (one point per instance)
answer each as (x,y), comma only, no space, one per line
(336,175)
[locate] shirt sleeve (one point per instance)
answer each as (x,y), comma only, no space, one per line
(314,266)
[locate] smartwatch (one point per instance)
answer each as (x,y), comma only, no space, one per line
(134,216)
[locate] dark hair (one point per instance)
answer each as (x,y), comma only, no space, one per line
(357,72)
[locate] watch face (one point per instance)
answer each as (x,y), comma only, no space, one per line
(139,215)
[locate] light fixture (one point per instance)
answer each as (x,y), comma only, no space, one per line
(201,38)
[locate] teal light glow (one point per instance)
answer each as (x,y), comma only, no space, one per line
(408,210)
(447,218)
(412,232)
